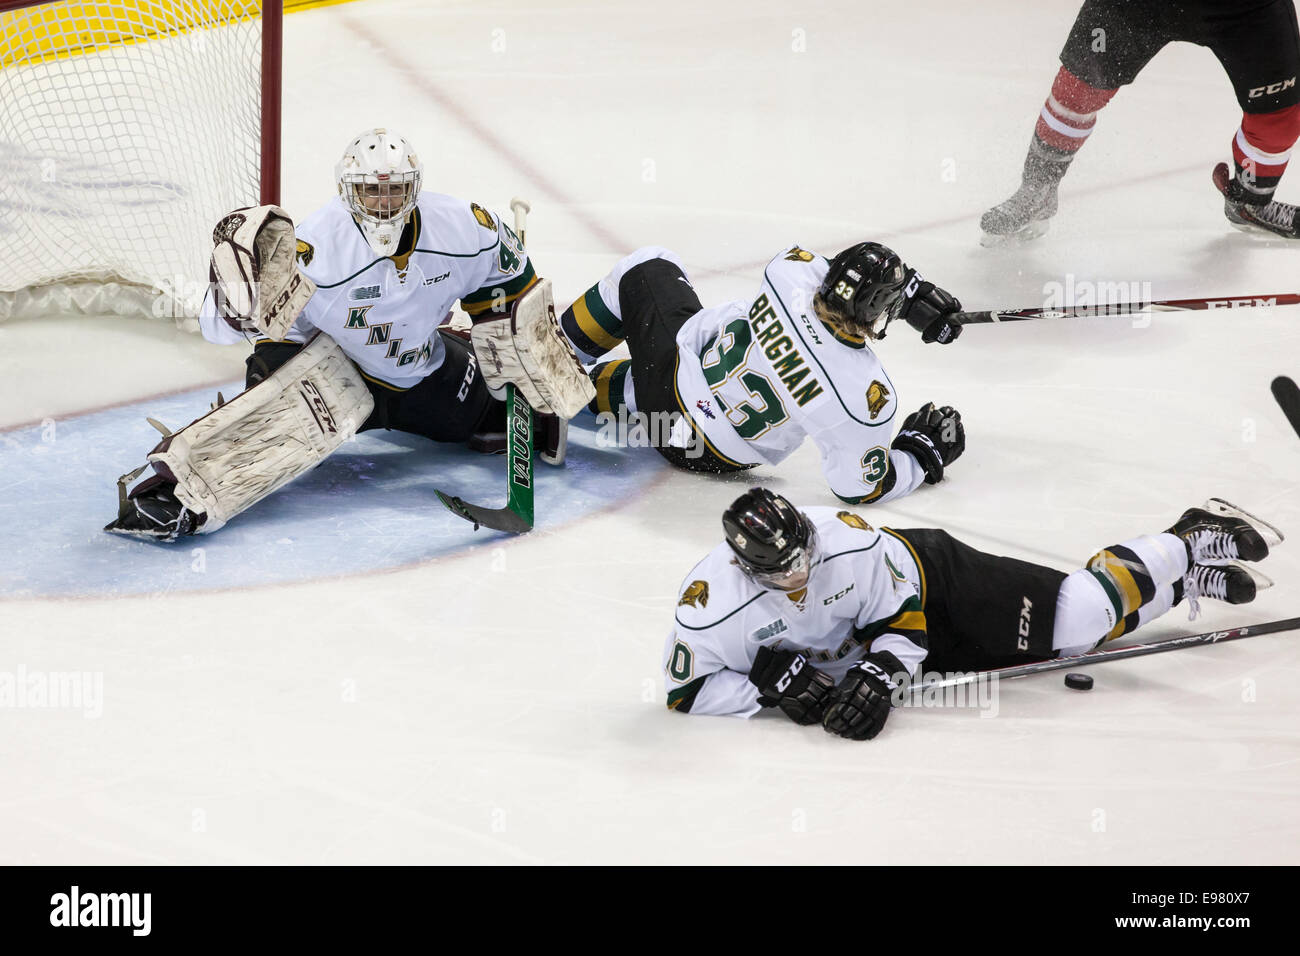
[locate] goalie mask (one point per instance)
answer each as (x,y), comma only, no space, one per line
(379,181)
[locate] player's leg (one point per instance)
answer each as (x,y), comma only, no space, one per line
(1259,46)
(451,404)
(981,610)
(284,424)
(655,300)
(1132,583)
(594,322)
(1109,44)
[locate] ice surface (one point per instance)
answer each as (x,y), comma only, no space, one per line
(505,703)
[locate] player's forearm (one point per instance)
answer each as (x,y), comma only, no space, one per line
(904,477)
(214,326)
(724,693)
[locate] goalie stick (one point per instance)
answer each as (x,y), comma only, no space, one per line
(517,516)
(1130,308)
(1288,396)
(1114,654)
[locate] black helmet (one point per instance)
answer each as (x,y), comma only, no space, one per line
(770,537)
(864,287)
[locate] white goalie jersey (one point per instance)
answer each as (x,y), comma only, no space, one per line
(865,593)
(759,377)
(384,312)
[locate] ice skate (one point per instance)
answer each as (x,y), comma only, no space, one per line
(1277,218)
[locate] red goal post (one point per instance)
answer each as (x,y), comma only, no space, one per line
(127,129)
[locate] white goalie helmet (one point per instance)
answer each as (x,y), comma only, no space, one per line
(379,180)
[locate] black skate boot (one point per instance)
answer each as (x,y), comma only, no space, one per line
(153,512)
(1210,537)
(1246,212)
(1026,214)
(1231,583)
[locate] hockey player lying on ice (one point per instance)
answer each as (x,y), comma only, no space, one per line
(746,382)
(345,318)
(822,615)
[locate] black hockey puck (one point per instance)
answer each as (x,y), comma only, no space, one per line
(1078,681)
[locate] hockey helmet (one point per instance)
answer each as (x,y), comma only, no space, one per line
(863,289)
(773,542)
(379,181)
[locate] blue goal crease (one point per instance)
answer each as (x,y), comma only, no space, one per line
(368,507)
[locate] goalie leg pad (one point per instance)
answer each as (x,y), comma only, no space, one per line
(268,435)
(527,348)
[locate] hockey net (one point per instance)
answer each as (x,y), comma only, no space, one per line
(127,129)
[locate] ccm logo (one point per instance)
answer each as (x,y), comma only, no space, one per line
(1022,643)
(1238,303)
(469,379)
(316,404)
(783,682)
(1271,88)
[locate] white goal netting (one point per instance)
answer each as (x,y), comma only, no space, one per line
(127,129)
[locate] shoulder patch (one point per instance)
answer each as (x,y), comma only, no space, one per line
(696,594)
(854,521)
(877,398)
(305,252)
(799,255)
(483,216)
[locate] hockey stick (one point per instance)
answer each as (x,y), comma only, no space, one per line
(517,516)
(1288,396)
(1114,654)
(1129,308)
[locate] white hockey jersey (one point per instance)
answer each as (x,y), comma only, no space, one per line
(758,378)
(384,312)
(866,593)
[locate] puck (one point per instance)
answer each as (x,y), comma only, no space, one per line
(1078,681)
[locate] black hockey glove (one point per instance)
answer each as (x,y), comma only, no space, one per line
(785,679)
(935,437)
(930,310)
(862,700)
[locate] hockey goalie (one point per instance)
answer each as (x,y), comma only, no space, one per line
(345,314)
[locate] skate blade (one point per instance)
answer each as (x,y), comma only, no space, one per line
(1271,535)
(1027,233)
(1262,581)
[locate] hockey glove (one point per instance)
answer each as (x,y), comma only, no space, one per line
(862,700)
(785,679)
(935,437)
(930,310)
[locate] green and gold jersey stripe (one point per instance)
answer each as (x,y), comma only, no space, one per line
(682,698)
(920,568)
(596,321)
(484,299)
(610,381)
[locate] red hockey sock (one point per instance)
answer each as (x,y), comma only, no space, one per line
(1262,148)
(1070,112)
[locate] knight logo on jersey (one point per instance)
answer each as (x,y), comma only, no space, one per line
(877,398)
(854,521)
(696,591)
(305,252)
(483,216)
(799,255)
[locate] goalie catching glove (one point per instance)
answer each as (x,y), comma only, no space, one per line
(526,348)
(253,272)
